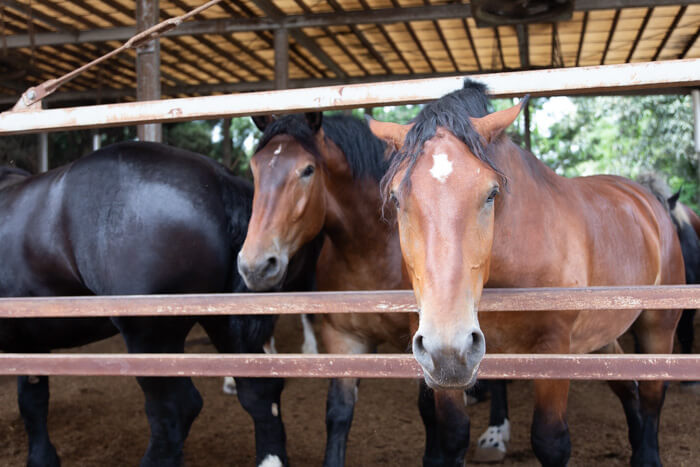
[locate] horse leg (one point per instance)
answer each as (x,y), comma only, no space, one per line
(309,346)
(452,429)
(260,397)
(342,395)
(628,393)
(229,386)
(685,331)
(686,336)
(493,443)
(655,331)
(172,404)
(550,433)
(33,401)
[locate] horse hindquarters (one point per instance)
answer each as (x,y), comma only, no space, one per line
(172,404)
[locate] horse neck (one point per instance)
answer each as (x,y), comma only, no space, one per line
(361,242)
(529,193)
(529,179)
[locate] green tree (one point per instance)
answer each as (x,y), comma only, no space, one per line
(625,136)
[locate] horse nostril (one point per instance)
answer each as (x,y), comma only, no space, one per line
(271,267)
(418,344)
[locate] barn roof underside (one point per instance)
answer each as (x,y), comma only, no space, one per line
(229,47)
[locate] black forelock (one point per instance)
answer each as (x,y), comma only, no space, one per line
(363,151)
(451,112)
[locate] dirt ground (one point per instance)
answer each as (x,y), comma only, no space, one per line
(99,421)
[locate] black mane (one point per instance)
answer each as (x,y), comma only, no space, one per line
(363,151)
(452,112)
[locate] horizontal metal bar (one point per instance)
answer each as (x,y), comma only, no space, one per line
(595,79)
(392,301)
(494,366)
(266,85)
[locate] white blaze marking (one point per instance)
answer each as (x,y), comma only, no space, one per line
(275,409)
(275,154)
(442,167)
(271,461)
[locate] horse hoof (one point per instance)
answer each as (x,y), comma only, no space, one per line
(492,444)
(491,454)
(229,386)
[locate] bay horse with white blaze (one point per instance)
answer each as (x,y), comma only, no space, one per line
(137,218)
(473,210)
(316,174)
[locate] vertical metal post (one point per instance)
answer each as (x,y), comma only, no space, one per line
(528,138)
(43,152)
(96,141)
(695,93)
(226,142)
(281,58)
(148,66)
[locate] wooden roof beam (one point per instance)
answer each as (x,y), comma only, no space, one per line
(670,30)
(690,43)
(642,28)
(311,20)
(271,10)
(616,18)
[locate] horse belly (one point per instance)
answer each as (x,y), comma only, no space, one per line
(376,328)
(595,329)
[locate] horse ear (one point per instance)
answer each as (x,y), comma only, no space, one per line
(494,124)
(314,119)
(393,133)
(262,121)
(674,199)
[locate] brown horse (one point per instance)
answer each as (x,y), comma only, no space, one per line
(321,175)
(474,209)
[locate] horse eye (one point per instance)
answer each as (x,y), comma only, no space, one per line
(394,199)
(307,172)
(492,195)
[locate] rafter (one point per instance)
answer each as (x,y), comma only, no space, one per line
(670,30)
(613,27)
(642,28)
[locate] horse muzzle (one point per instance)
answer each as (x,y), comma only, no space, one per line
(265,273)
(450,364)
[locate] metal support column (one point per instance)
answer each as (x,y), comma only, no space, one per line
(695,93)
(281,58)
(148,66)
(528,138)
(43,152)
(226,142)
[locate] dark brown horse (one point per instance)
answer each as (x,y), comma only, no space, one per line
(474,209)
(315,174)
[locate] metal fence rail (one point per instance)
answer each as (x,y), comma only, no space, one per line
(680,367)
(559,81)
(499,366)
(534,299)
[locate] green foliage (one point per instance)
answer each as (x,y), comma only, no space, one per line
(625,136)
(193,136)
